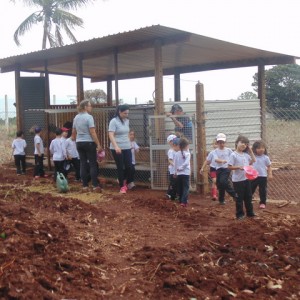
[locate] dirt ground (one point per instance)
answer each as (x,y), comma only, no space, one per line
(141,246)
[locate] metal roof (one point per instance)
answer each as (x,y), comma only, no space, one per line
(182,52)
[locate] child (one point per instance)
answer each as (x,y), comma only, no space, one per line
(220,157)
(173,142)
(134,149)
(58,150)
(38,154)
(241,157)
(182,166)
(18,146)
(263,166)
(73,156)
(212,173)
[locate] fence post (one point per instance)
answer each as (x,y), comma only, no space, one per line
(202,187)
(6,115)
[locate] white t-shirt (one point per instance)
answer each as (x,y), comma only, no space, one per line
(121,131)
(223,154)
(237,159)
(182,163)
(134,148)
(261,165)
(171,155)
(38,140)
(19,146)
(57,149)
(71,148)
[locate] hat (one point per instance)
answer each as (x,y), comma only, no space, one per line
(221,137)
(176,141)
(250,172)
(37,129)
(176,107)
(171,137)
(65,129)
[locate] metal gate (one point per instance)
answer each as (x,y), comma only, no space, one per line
(159,129)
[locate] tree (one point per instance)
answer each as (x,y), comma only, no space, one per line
(247,95)
(52,13)
(95,96)
(282,86)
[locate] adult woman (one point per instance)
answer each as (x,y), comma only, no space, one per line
(87,144)
(183,124)
(118,132)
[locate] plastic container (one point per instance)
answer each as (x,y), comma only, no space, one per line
(62,183)
(250,173)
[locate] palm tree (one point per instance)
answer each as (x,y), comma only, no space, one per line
(52,13)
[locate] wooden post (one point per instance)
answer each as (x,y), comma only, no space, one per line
(263,101)
(109,92)
(79,79)
(6,114)
(202,185)
(177,92)
(116,77)
(19,109)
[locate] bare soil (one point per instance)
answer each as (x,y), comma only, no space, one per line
(140,245)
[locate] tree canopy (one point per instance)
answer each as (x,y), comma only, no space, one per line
(247,95)
(282,86)
(51,13)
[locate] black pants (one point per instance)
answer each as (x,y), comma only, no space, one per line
(244,195)
(262,184)
(172,188)
(39,165)
(75,162)
(20,163)
(223,184)
(183,187)
(131,174)
(59,168)
(124,163)
(88,160)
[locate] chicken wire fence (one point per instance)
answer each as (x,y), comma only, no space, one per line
(282,139)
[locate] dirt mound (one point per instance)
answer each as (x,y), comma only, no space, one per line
(140,246)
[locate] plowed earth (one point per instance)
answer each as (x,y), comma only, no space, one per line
(140,245)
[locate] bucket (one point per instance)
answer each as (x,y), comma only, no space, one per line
(61,183)
(250,173)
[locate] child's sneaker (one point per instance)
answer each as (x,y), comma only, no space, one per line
(183,204)
(37,177)
(262,206)
(214,198)
(123,189)
(130,185)
(168,196)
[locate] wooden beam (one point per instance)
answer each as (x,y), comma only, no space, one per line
(19,107)
(262,99)
(177,92)
(79,79)
(116,76)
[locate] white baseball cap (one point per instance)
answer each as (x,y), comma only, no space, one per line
(221,137)
(171,137)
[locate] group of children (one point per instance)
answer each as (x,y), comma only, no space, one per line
(62,149)
(223,160)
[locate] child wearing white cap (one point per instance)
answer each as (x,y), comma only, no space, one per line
(220,157)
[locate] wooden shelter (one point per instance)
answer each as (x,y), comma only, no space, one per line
(151,51)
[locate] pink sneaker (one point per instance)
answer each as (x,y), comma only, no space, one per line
(262,206)
(123,189)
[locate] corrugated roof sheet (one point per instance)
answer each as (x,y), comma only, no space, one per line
(182,52)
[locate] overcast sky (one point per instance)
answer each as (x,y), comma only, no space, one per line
(265,24)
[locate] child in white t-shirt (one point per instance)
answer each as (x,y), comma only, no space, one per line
(243,156)
(182,165)
(263,166)
(18,146)
(134,149)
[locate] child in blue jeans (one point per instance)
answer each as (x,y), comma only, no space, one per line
(182,166)
(243,156)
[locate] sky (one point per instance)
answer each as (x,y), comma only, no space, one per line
(272,25)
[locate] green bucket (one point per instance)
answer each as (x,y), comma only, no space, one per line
(61,183)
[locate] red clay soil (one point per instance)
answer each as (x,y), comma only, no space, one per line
(141,246)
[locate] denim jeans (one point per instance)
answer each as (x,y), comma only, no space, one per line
(20,163)
(183,187)
(262,184)
(88,161)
